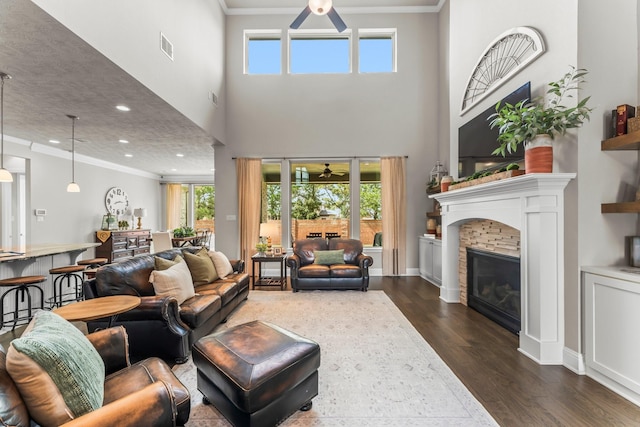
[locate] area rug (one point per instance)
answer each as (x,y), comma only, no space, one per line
(376,369)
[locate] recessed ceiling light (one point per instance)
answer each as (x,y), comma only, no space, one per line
(128,155)
(54,141)
(174,169)
(180,155)
(123,108)
(124,141)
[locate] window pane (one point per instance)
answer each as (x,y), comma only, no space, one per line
(376,55)
(205,207)
(264,56)
(320,204)
(320,55)
(370,204)
(270,222)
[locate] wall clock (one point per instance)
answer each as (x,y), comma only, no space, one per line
(116,201)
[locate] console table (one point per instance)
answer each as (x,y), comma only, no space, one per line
(280,281)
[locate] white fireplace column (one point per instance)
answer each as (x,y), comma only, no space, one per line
(533,204)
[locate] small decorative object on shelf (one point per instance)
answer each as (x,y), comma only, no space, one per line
(624,112)
(437,173)
(445,182)
(634,251)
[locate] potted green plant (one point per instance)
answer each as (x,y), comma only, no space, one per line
(537,123)
(184,232)
(261,247)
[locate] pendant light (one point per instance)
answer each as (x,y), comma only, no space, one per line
(5,175)
(73,187)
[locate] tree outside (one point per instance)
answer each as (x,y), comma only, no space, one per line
(205,202)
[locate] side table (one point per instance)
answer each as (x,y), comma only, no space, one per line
(280,281)
(96,308)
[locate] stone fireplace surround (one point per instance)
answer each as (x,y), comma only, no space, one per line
(533,204)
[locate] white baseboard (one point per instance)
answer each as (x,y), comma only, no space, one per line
(573,361)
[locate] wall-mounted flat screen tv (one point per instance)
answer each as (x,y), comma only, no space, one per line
(476,140)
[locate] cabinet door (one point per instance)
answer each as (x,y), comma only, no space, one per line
(422,254)
(437,263)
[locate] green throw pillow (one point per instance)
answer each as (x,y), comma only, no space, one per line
(165,264)
(329,257)
(66,356)
(201,267)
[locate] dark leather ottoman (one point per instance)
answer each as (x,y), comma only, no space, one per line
(257,374)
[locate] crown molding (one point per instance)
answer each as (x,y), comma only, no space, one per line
(343,10)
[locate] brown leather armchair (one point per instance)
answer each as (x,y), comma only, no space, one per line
(352,274)
(145,393)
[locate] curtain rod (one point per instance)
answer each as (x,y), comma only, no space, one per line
(317,158)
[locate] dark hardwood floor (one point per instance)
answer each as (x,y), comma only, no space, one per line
(514,389)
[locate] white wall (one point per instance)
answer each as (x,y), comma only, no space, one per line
(334,115)
(75,217)
(128,33)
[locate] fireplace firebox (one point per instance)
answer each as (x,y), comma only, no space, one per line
(493,287)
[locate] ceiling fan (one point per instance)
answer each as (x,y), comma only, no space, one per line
(326,173)
(320,7)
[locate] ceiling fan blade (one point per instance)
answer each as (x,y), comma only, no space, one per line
(337,21)
(300,19)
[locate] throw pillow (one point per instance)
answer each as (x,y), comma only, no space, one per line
(201,266)
(174,282)
(223,266)
(329,257)
(163,263)
(59,373)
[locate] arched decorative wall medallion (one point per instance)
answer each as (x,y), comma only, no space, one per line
(509,53)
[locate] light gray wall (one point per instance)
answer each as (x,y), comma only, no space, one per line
(75,217)
(128,33)
(336,114)
(604,176)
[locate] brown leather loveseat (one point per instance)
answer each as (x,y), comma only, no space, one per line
(159,326)
(308,271)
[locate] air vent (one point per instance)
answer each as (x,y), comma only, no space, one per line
(166,46)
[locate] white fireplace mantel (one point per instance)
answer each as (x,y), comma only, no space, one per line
(533,204)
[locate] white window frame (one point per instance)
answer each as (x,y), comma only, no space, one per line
(320,34)
(258,35)
(364,33)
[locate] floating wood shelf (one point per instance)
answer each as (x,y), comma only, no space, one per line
(623,207)
(630,141)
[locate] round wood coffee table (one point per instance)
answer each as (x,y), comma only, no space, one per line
(97,308)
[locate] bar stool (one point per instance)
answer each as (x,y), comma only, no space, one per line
(91,266)
(66,274)
(21,287)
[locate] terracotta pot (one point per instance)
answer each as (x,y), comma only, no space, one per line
(538,155)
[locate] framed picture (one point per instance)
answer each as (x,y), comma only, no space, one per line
(277,250)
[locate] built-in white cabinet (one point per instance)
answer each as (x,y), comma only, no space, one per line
(611,317)
(430,263)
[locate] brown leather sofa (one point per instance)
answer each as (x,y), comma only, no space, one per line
(158,326)
(307,275)
(146,393)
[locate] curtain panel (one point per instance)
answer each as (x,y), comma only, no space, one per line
(394,223)
(174,201)
(249,176)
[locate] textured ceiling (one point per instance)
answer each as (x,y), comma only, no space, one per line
(55,73)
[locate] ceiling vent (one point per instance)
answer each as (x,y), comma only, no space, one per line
(166,46)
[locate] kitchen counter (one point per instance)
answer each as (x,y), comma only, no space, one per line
(14,261)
